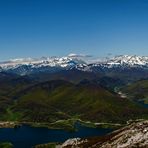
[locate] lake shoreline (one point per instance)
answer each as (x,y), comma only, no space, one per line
(68,125)
(9,124)
(28,136)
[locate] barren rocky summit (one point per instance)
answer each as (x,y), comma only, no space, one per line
(134,135)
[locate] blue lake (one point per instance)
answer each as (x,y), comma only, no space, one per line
(26,136)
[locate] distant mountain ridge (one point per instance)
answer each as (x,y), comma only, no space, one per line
(52,64)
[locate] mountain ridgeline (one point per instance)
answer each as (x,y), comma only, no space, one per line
(118,67)
(24,100)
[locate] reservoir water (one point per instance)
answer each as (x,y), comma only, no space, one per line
(26,136)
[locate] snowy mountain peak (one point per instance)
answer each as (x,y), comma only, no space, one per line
(41,62)
(79,62)
(128,60)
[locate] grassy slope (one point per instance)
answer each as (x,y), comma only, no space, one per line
(58,100)
(138,90)
(21,99)
(6,145)
(9,88)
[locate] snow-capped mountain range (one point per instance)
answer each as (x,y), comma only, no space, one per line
(71,61)
(128,60)
(42,62)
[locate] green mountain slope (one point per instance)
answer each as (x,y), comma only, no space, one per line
(57,100)
(9,87)
(137,90)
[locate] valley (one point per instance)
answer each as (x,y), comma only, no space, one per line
(57,97)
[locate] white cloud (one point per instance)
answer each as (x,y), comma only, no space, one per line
(73,55)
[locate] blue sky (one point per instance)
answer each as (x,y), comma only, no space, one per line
(35,28)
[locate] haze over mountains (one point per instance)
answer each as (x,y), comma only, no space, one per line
(72,61)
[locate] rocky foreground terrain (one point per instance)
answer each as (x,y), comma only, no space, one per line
(134,135)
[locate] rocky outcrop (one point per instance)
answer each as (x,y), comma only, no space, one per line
(134,135)
(9,124)
(74,142)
